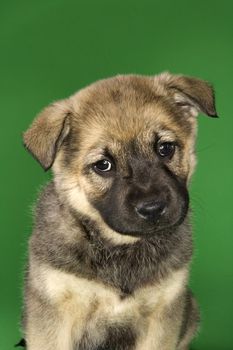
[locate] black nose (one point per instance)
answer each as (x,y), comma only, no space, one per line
(150,210)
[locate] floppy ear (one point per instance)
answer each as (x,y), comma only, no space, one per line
(47,132)
(192,94)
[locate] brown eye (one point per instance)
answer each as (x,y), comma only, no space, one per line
(166,149)
(102,166)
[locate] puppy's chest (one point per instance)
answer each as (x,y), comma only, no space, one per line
(94,312)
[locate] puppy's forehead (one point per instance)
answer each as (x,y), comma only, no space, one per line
(124,108)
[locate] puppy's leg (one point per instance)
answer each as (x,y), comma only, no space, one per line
(175,327)
(190,322)
(164,327)
(44,327)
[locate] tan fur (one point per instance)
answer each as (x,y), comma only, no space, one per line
(84,304)
(75,194)
(64,306)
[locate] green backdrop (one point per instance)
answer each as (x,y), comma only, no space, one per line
(49,49)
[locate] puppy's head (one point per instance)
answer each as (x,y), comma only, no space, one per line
(122,149)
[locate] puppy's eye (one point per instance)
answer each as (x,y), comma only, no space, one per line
(166,149)
(103,166)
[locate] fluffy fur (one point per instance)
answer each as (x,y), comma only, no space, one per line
(101,276)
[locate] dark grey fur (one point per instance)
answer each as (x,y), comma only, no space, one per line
(118,337)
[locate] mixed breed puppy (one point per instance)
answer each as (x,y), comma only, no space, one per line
(111,247)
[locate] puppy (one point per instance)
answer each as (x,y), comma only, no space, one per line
(111,247)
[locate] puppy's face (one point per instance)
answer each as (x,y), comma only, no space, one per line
(122,150)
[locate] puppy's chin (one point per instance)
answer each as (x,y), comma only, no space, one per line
(141,229)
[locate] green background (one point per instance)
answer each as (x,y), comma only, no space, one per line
(49,49)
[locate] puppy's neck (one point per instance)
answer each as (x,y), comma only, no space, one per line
(129,266)
(83,251)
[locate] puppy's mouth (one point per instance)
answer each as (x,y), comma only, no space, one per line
(146,226)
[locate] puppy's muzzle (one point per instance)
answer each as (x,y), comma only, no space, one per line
(151,210)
